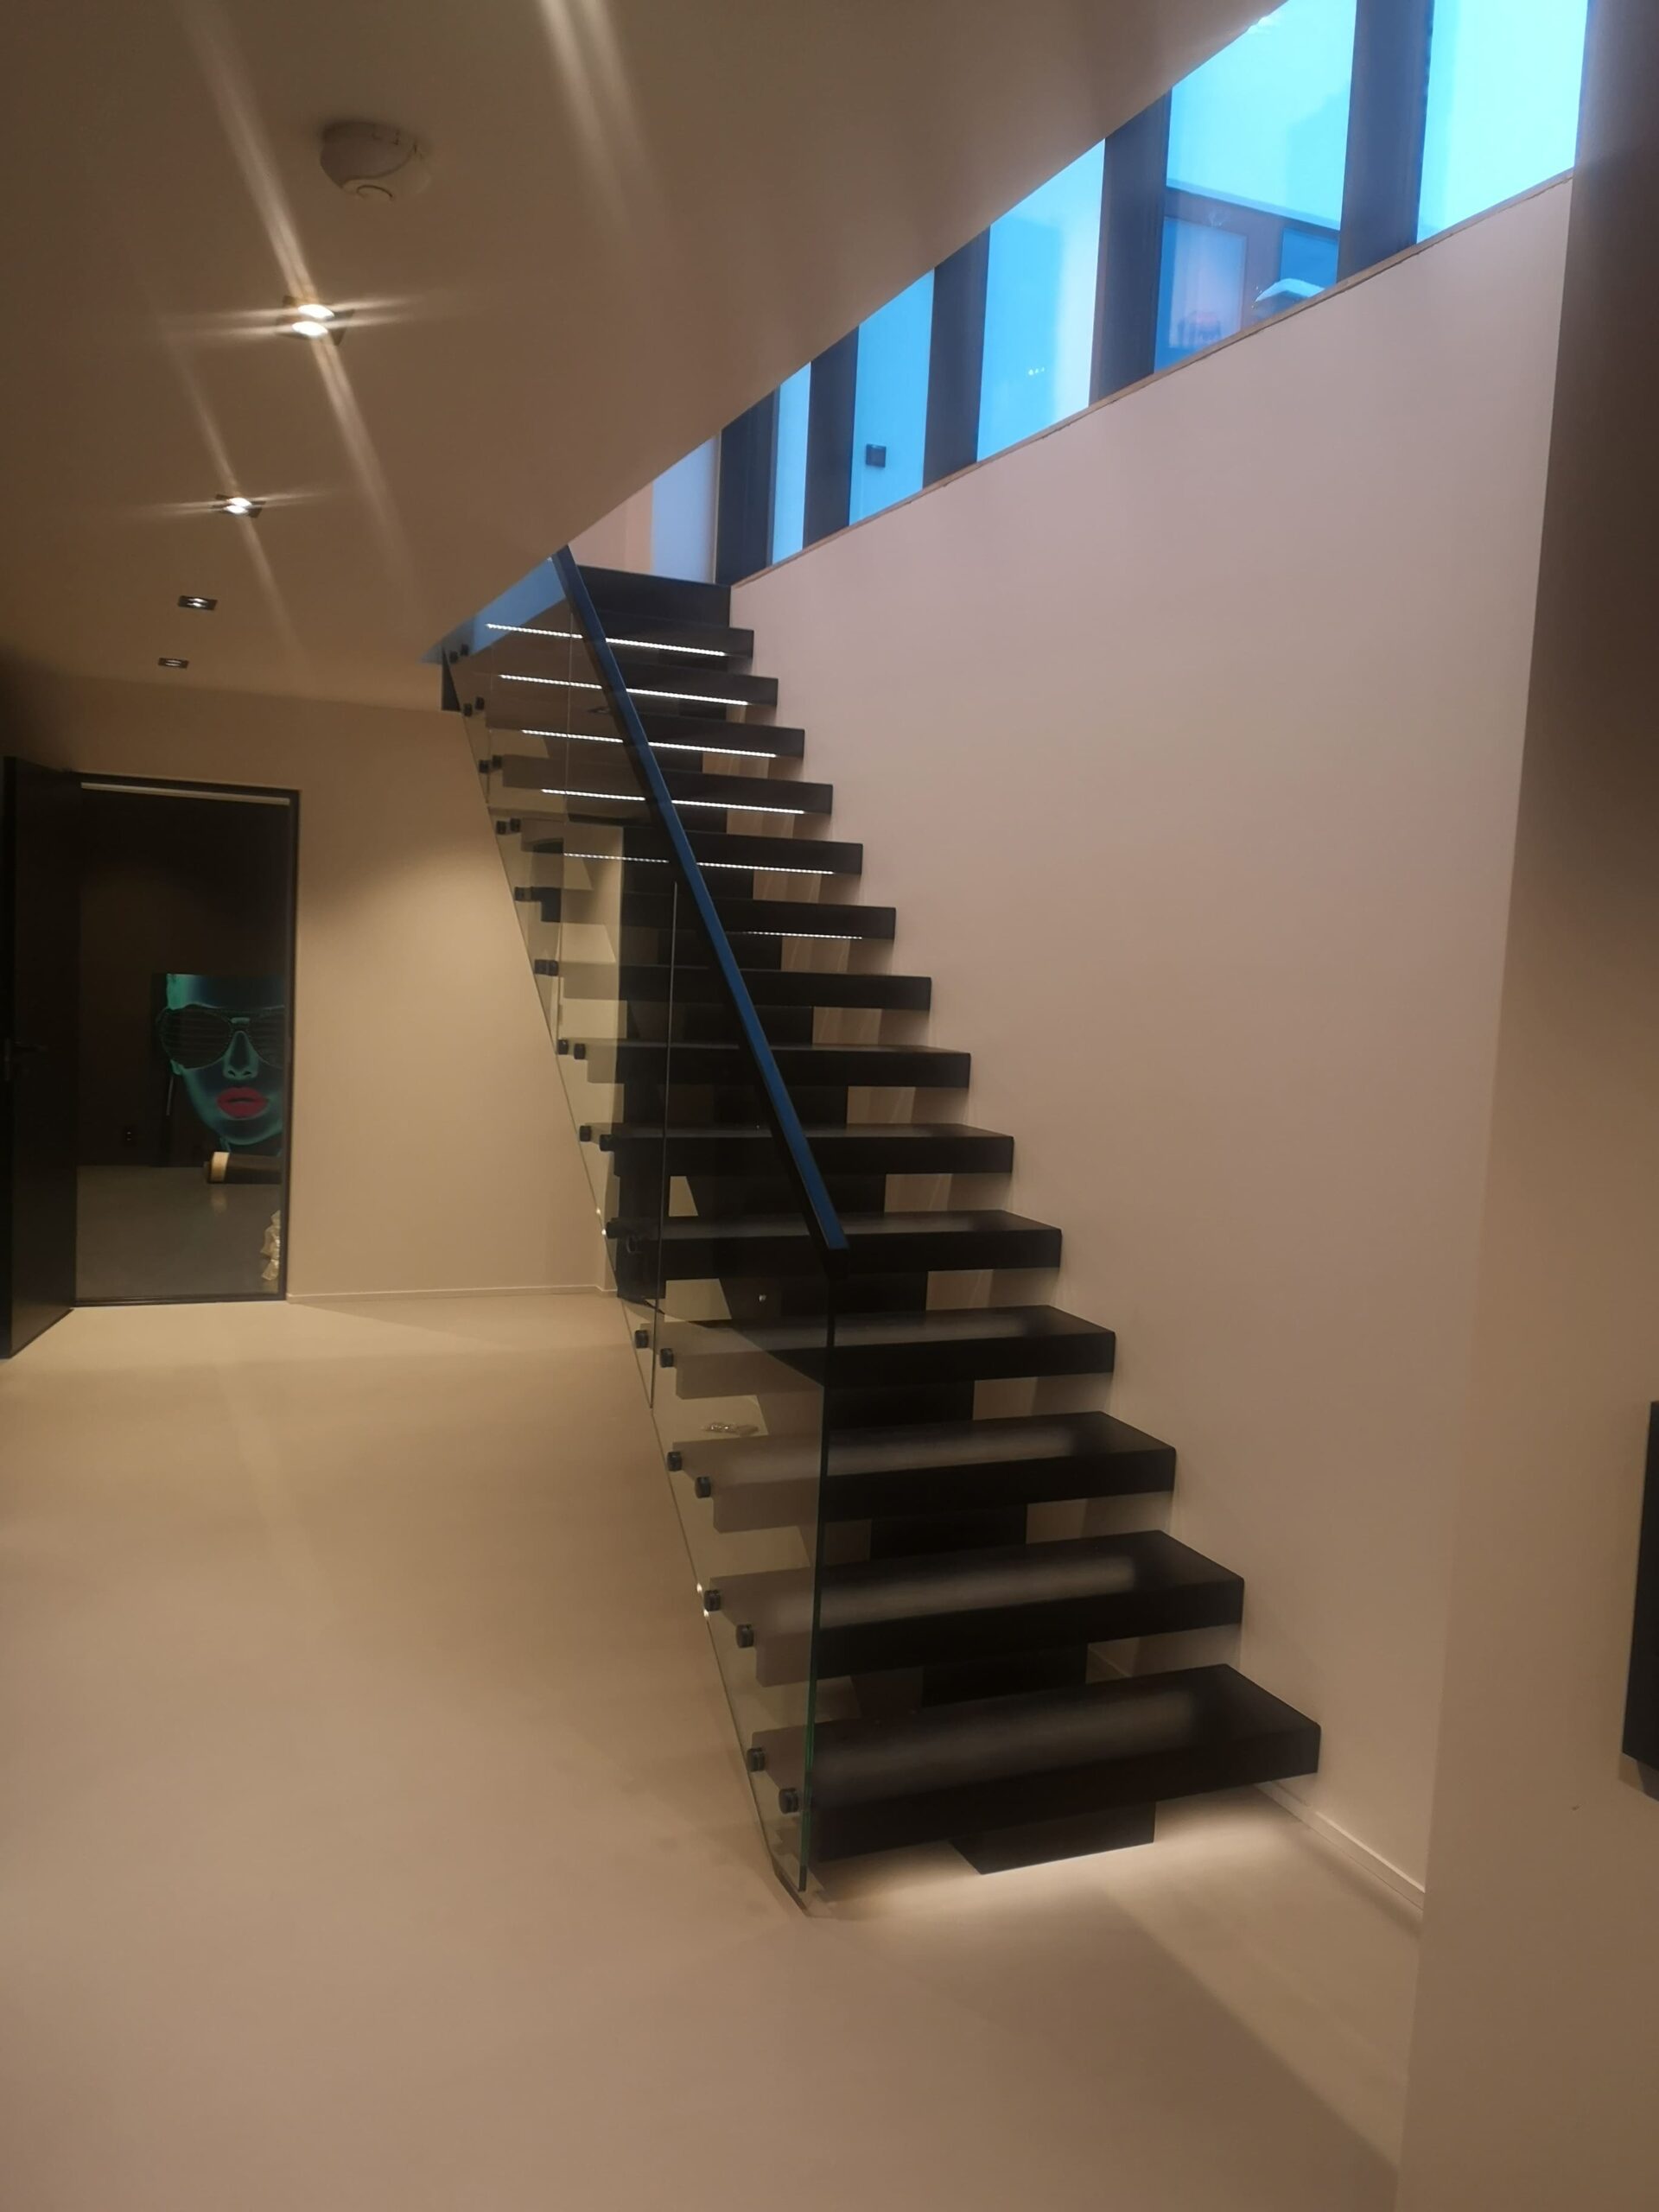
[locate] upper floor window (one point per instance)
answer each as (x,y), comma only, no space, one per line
(1503,83)
(1258,142)
(890,400)
(789,468)
(1039,306)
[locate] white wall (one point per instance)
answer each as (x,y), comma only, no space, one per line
(683,515)
(666,529)
(432,1149)
(1187,740)
(1538,2046)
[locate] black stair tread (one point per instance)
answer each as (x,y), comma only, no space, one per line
(827,1068)
(647,906)
(1145,1727)
(871,1227)
(658,635)
(935,1066)
(881,1243)
(529,666)
(1014,1441)
(667,733)
(621,595)
(871,1148)
(723,850)
(885,1614)
(723,1359)
(949,1467)
(652,983)
(934,1324)
(873,1592)
(609,778)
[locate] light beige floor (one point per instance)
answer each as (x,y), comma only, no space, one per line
(373,1837)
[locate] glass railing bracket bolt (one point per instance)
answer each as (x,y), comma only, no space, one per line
(642,1339)
(675,1461)
(666,1356)
(701,1486)
(789,1801)
(757,1759)
(711,1601)
(745,1636)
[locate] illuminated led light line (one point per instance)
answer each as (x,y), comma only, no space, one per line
(635,644)
(637,798)
(764,868)
(655,860)
(731,752)
(740,806)
(656,744)
(819,936)
(634,690)
(645,860)
(623,798)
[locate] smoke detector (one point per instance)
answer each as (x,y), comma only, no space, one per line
(374,161)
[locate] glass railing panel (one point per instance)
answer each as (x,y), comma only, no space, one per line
(721,1239)
(740,1346)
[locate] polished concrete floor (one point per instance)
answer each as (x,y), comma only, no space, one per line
(372,1840)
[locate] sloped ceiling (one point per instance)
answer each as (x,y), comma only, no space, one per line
(642,215)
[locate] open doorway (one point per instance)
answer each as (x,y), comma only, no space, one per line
(186,1024)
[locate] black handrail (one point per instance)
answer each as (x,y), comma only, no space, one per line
(824,1225)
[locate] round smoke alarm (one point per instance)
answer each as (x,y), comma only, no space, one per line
(374,161)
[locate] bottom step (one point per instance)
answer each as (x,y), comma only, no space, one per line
(952,1771)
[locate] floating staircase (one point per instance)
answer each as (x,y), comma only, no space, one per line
(893,1497)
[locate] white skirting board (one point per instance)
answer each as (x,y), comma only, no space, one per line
(1380,1869)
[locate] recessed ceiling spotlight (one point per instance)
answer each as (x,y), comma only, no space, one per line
(306,318)
(197,604)
(238,503)
(171,660)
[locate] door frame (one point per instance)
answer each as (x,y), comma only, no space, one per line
(269,794)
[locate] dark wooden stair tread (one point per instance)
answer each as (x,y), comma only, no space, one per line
(881,1243)
(723,850)
(607,778)
(667,733)
(864,1147)
(742,913)
(979,1603)
(768,1481)
(901,1066)
(953,1769)
(654,982)
(950,1344)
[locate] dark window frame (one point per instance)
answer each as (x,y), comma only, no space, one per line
(1388,126)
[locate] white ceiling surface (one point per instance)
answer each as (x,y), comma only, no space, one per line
(642,215)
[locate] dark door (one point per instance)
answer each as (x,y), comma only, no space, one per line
(40,933)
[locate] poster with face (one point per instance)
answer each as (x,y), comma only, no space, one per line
(225,1039)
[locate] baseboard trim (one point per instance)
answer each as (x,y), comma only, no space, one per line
(1379,1868)
(453,1290)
